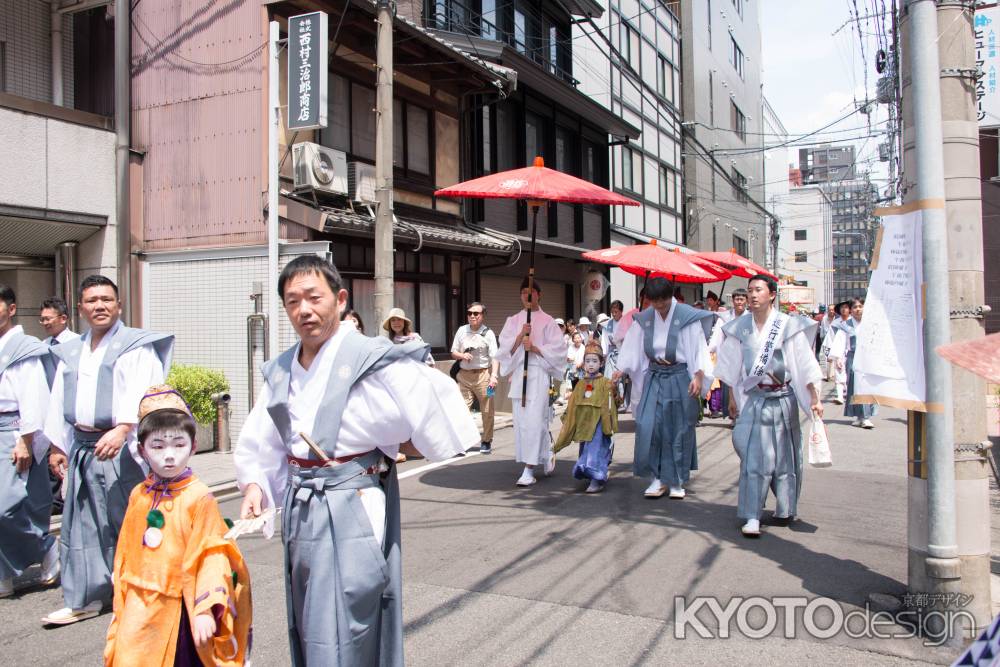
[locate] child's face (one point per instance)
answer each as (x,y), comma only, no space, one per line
(167,452)
(591,363)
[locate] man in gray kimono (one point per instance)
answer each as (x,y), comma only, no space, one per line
(25,495)
(667,346)
(321,443)
(767,358)
(99,382)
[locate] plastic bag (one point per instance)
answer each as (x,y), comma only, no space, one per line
(819,445)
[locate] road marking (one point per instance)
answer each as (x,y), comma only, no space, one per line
(439,464)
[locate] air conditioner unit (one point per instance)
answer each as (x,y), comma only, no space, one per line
(319,168)
(361,182)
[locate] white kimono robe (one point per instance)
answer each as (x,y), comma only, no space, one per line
(692,349)
(531,422)
(24,389)
(403,401)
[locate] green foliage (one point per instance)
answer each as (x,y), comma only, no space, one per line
(197,384)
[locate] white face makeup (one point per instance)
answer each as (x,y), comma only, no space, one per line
(591,363)
(167,452)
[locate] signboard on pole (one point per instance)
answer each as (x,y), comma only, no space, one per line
(889,359)
(987,29)
(307,71)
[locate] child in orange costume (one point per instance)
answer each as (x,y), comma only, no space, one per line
(182,591)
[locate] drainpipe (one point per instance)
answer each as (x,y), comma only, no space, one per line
(123,110)
(57,64)
(66,280)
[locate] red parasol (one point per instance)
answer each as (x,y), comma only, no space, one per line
(738,264)
(537,184)
(979,355)
(652,260)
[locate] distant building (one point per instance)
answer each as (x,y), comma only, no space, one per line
(807,241)
(827,164)
(724,126)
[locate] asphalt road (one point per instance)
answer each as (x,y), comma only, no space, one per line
(496,575)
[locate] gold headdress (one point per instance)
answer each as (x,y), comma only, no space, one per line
(162,397)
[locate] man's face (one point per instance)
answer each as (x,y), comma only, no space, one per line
(167,452)
(530,298)
(739,304)
(53,323)
(856,310)
(475,315)
(759,296)
(712,303)
(845,311)
(100,306)
(7,313)
(661,305)
(591,363)
(312,307)
(616,313)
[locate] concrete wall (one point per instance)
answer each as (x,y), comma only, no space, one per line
(52,164)
(707,52)
(211,328)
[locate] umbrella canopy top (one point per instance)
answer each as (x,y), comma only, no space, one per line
(737,263)
(979,355)
(536,183)
(653,261)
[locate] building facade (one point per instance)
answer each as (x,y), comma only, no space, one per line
(629,60)
(57,174)
(806,247)
(724,128)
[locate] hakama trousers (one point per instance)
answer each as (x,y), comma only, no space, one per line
(665,446)
(768,439)
(343,589)
(859,410)
(97,494)
(25,505)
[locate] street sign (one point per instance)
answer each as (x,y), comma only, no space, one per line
(987,26)
(307,71)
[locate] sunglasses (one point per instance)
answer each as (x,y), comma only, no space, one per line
(473,312)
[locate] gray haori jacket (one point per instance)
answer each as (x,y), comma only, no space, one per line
(22,348)
(682,316)
(126,340)
(742,329)
(357,356)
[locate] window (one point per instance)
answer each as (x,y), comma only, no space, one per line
(736,56)
(488,19)
(487,143)
(520,34)
(711,99)
(709,4)
(801,257)
(363,121)
(565,154)
(800,234)
(740,244)
(630,46)
(534,137)
(631,170)
(737,121)
(739,187)
(668,188)
(664,77)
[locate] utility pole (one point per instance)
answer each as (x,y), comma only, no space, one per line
(273,182)
(948,531)
(384,295)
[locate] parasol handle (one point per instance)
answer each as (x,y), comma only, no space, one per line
(535,205)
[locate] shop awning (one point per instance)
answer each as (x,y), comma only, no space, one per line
(420,233)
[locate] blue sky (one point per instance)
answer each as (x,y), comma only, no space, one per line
(813,77)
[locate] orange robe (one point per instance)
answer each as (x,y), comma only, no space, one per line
(193,566)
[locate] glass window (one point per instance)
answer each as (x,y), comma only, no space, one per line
(800,234)
(737,121)
(363,121)
(432,314)
(736,56)
(534,137)
(418,139)
(801,257)
(486,142)
(565,144)
(337,133)
(488,19)
(627,181)
(520,34)
(505,137)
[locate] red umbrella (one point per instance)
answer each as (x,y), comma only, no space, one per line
(652,260)
(738,264)
(536,184)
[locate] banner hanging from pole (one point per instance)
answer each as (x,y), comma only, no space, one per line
(307,71)
(889,360)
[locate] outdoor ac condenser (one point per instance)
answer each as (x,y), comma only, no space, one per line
(319,168)
(361,182)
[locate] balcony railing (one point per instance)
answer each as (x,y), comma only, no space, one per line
(457,17)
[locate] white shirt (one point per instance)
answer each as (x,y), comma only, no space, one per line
(135,372)
(404,401)
(64,336)
(484,344)
(24,389)
(551,361)
(692,348)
